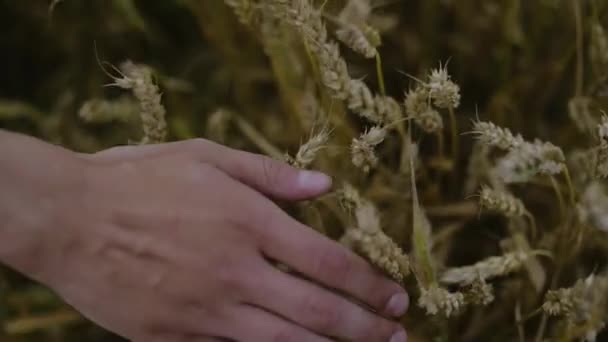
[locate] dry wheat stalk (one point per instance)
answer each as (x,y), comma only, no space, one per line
(368,239)
(584,304)
(362,148)
(489,268)
(501,202)
(479,292)
(361,40)
(435,300)
(380,250)
(334,71)
(439,90)
(430,121)
(418,107)
(355,31)
(416,101)
(308,151)
(442,90)
(139,79)
(524,159)
(530,159)
(490,134)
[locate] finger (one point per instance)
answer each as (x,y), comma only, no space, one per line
(268,176)
(320,310)
(256,325)
(329,263)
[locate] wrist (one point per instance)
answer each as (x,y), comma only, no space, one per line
(40,186)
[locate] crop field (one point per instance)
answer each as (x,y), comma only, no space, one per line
(467,140)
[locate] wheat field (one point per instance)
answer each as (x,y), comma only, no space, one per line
(467,140)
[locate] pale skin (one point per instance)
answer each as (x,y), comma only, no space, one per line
(180,242)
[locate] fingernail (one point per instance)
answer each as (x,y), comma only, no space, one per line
(313,180)
(397,305)
(399,336)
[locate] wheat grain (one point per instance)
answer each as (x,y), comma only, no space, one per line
(490,134)
(362,148)
(435,300)
(479,292)
(429,121)
(368,239)
(355,31)
(530,159)
(581,302)
(489,268)
(139,79)
(416,101)
(357,39)
(501,202)
(442,90)
(380,250)
(333,69)
(309,150)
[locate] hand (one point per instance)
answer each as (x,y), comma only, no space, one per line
(176,242)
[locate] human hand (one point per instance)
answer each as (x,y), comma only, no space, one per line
(176,242)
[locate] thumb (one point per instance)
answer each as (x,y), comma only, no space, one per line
(268,176)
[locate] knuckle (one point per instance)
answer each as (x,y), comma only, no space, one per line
(273,171)
(335,264)
(231,275)
(198,143)
(199,173)
(322,315)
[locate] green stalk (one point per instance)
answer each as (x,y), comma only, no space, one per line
(380,74)
(421,234)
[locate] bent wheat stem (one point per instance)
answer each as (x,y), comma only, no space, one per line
(258,138)
(559,195)
(380,74)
